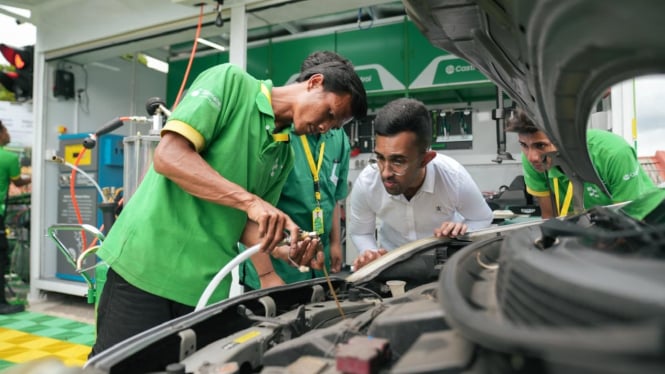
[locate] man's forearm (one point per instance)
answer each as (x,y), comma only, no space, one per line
(475,224)
(262,264)
(335,230)
(364,242)
(546,207)
(22,180)
(176,159)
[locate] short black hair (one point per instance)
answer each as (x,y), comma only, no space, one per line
(405,115)
(339,77)
(520,123)
(320,57)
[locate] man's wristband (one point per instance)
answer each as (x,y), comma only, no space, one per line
(266,273)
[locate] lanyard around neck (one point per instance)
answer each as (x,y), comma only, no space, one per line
(566,200)
(314,168)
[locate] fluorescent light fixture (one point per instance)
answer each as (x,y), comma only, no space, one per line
(25,13)
(156,64)
(211,44)
(105,66)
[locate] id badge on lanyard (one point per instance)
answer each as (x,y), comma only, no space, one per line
(317,220)
(317,213)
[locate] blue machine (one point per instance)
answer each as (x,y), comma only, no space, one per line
(104,164)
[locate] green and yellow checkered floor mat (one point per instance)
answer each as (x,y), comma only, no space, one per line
(29,336)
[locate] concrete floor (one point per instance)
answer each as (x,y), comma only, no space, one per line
(54,304)
(64,306)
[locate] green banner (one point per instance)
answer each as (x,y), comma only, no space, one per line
(387,58)
(374,77)
(377,78)
(447,71)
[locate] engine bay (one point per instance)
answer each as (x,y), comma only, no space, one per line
(501,302)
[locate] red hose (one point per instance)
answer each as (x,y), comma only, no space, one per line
(191,59)
(72,193)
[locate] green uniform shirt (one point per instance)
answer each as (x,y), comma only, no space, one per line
(9,169)
(170,243)
(616,163)
(298,201)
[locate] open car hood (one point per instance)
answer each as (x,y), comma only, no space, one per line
(554,58)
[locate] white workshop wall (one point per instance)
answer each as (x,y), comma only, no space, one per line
(119,89)
(110,94)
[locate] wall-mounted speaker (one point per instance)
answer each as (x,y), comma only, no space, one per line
(64,84)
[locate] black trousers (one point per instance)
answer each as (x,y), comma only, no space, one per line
(124,311)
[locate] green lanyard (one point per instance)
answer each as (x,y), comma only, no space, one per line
(317,213)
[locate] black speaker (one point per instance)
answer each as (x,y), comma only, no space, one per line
(64,84)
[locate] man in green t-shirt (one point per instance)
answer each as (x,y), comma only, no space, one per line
(217,172)
(10,172)
(614,159)
(312,205)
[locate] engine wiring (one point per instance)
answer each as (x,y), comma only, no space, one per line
(608,231)
(370,291)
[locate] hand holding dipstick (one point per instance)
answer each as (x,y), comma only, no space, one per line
(306,252)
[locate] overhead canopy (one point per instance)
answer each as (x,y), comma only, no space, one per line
(393,60)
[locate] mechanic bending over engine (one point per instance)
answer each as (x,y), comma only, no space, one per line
(614,159)
(414,191)
(327,157)
(221,163)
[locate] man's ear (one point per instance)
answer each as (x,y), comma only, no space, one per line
(429,156)
(315,81)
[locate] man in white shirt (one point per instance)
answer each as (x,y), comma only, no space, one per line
(413,191)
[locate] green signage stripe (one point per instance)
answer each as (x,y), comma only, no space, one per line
(446,71)
(388,58)
(375,77)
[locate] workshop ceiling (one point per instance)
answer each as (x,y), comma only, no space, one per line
(301,17)
(172,37)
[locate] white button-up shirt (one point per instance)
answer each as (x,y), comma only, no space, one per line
(448,194)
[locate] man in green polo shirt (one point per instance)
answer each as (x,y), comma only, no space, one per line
(10,172)
(298,200)
(614,159)
(219,168)
(320,157)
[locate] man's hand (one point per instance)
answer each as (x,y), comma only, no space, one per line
(450,230)
(335,258)
(367,257)
(271,224)
(307,253)
(271,279)
(177,159)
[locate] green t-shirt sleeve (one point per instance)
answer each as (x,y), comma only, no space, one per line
(14,168)
(536,182)
(9,169)
(208,101)
(342,184)
(623,175)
